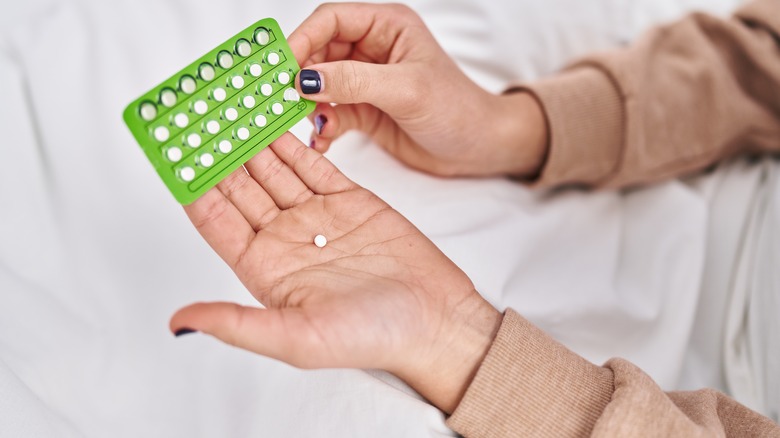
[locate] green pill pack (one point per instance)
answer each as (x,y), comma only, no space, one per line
(207,120)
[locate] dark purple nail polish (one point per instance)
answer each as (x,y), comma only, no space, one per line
(311,144)
(184,331)
(319,123)
(311,83)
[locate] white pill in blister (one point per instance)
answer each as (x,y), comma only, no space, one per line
(193,140)
(161,133)
(148,111)
(255,70)
(272,58)
(283,78)
(277,108)
(181,120)
(212,126)
(237,82)
(168,97)
(200,107)
(231,114)
(225,59)
(219,94)
(187,173)
(225,146)
(187,84)
(206,160)
(248,101)
(291,95)
(262,37)
(260,120)
(242,133)
(173,153)
(206,71)
(243,48)
(266,89)
(320,241)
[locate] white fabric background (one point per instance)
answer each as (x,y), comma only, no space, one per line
(95,255)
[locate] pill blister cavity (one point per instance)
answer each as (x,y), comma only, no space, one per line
(262,36)
(212,127)
(243,48)
(272,58)
(161,133)
(231,114)
(219,94)
(187,84)
(248,101)
(200,107)
(224,146)
(255,69)
(242,133)
(237,82)
(193,140)
(206,159)
(260,120)
(173,154)
(291,95)
(225,59)
(168,97)
(148,111)
(187,173)
(277,108)
(206,72)
(266,89)
(181,120)
(283,78)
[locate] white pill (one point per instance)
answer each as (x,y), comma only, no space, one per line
(272,58)
(148,111)
(291,95)
(237,82)
(193,140)
(200,107)
(161,133)
(181,120)
(255,70)
(187,84)
(320,241)
(283,78)
(262,37)
(219,94)
(260,120)
(225,59)
(231,114)
(173,153)
(206,72)
(225,146)
(212,126)
(168,97)
(242,133)
(243,48)
(206,160)
(277,108)
(266,89)
(248,101)
(187,173)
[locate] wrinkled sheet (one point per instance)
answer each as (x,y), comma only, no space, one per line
(95,255)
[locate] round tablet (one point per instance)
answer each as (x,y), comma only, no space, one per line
(242,133)
(272,58)
(168,97)
(200,107)
(161,133)
(193,140)
(237,82)
(225,59)
(283,78)
(206,72)
(148,111)
(277,108)
(230,114)
(266,89)
(206,159)
(243,48)
(218,94)
(187,173)
(212,126)
(291,95)
(173,154)
(181,120)
(320,241)
(248,101)
(187,84)
(260,120)
(224,146)
(255,69)
(262,36)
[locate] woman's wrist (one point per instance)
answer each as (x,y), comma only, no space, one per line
(520,135)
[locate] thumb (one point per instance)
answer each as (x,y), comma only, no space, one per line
(276,333)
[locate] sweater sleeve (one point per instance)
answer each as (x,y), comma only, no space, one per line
(681,98)
(530,385)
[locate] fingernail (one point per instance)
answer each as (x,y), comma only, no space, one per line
(311,83)
(311,144)
(184,331)
(319,123)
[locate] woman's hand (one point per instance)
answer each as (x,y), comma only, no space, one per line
(379,294)
(394,82)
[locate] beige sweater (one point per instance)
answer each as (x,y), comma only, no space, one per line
(683,97)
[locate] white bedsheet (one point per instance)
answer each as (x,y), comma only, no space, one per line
(95,255)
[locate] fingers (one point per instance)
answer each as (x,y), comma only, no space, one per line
(283,334)
(254,203)
(319,174)
(277,179)
(331,122)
